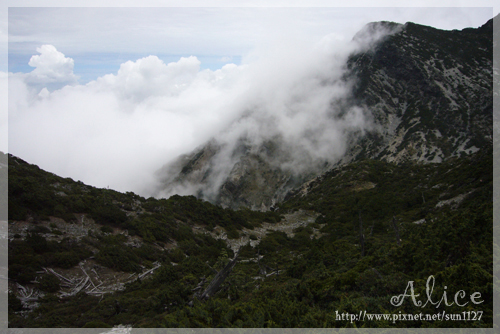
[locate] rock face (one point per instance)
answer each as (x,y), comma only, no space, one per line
(253,180)
(428,91)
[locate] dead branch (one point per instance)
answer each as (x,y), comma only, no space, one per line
(149,271)
(24,292)
(262,267)
(395,227)
(95,287)
(214,285)
(376,272)
(213,270)
(97,275)
(276,272)
(77,289)
(61,277)
(90,280)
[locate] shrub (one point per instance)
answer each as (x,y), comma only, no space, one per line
(49,283)
(96,324)
(233,234)
(14,303)
(106,229)
(118,257)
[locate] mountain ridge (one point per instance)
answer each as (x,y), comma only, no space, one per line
(432,67)
(427,91)
(348,235)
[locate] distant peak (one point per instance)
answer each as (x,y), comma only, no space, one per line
(373,31)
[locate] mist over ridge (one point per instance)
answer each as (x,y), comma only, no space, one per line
(118,130)
(296,123)
(412,93)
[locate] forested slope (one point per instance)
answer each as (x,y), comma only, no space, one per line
(348,260)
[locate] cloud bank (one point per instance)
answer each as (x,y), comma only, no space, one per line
(51,66)
(118,130)
(296,115)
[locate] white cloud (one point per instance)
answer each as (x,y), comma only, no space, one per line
(296,98)
(3,112)
(216,31)
(51,66)
(119,129)
(225,59)
(150,77)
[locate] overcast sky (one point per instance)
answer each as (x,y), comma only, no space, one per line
(100,39)
(103,95)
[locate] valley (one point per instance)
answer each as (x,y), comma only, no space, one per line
(272,231)
(306,257)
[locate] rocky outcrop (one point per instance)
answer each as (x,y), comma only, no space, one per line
(253,180)
(430,92)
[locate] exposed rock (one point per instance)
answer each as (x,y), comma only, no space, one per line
(288,224)
(453,202)
(428,91)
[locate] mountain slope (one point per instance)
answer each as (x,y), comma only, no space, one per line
(427,91)
(416,221)
(430,92)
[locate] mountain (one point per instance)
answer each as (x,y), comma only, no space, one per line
(428,92)
(350,241)
(346,234)
(255,180)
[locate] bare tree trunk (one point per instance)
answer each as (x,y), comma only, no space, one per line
(213,270)
(262,268)
(149,271)
(213,287)
(395,226)
(361,235)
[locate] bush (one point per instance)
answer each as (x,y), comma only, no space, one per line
(15,304)
(106,229)
(233,234)
(176,255)
(49,283)
(97,324)
(108,214)
(118,257)
(21,274)
(37,242)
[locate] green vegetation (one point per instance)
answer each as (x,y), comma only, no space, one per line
(379,226)
(312,277)
(38,194)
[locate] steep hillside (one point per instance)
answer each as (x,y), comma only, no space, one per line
(428,92)
(348,241)
(257,180)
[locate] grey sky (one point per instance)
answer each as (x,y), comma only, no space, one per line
(100,39)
